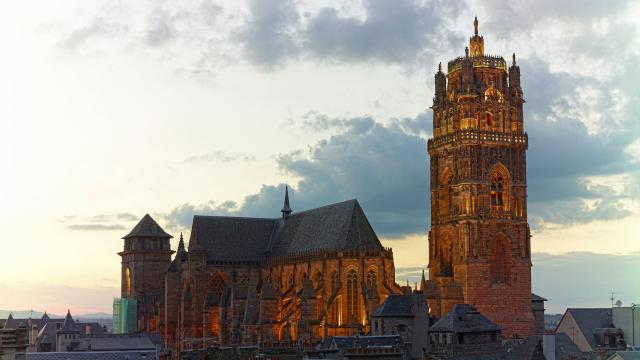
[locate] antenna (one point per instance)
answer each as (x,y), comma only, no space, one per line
(612,293)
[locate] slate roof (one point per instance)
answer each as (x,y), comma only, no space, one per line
(10,323)
(522,349)
(535,297)
(464,318)
(626,355)
(93,355)
(227,238)
(147,227)
(566,348)
(341,226)
(349,342)
(589,319)
(395,306)
(120,343)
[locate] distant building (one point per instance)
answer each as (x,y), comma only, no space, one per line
(560,347)
(464,332)
(95,355)
(627,318)
(537,306)
(406,315)
(363,347)
(13,340)
(624,355)
(592,329)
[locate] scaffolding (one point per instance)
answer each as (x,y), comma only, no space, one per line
(125,315)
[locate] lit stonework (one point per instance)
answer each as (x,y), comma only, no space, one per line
(479,242)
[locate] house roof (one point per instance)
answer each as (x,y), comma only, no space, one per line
(93,355)
(566,348)
(349,342)
(535,297)
(522,349)
(340,226)
(464,318)
(625,355)
(147,227)
(10,323)
(589,319)
(395,306)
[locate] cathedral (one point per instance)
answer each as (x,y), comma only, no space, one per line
(299,278)
(304,276)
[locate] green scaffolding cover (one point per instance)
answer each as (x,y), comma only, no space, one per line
(125,315)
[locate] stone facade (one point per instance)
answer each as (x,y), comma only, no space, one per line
(479,242)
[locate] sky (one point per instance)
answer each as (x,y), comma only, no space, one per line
(113,109)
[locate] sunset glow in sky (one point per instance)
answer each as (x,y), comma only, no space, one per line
(113,109)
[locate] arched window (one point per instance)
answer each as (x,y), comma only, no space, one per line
(371,279)
(500,261)
(497,193)
(353,310)
(127,281)
(217,285)
(446,257)
(334,308)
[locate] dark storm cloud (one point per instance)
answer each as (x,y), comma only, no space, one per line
(384,167)
(391,31)
(268,35)
(562,152)
(515,17)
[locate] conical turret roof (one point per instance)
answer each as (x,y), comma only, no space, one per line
(147,227)
(10,323)
(286,208)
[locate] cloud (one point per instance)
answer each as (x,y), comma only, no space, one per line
(100,222)
(219,155)
(384,166)
(268,35)
(96,227)
(393,32)
(98,27)
(600,274)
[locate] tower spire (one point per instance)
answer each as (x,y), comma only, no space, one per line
(286,209)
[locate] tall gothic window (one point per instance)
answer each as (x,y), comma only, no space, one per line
(353,313)
(497,193)
(371,279)
(217,285)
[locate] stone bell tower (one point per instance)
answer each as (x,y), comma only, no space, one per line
(479,242)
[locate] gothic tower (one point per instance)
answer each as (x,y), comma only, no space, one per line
(145,259)
(479,242)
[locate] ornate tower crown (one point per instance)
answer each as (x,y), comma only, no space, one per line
(476,42)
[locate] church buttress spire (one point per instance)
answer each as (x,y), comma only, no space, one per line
(286,209)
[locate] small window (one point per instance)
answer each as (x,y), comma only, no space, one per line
(402,327)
